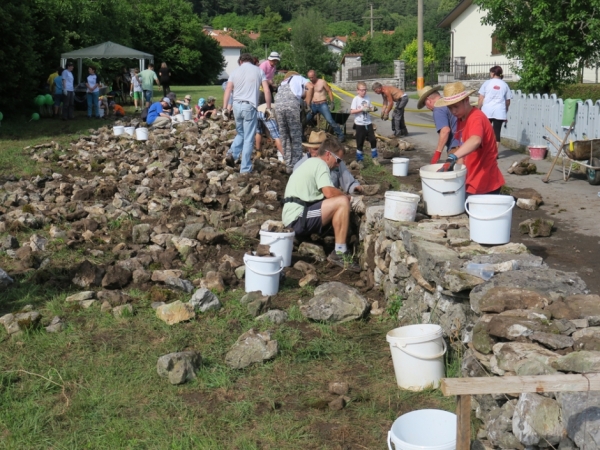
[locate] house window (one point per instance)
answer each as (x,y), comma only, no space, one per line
(498,48)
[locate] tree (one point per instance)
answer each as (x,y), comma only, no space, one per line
(552,39)
(409,55)
(307,42)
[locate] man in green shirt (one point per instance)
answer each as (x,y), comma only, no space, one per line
(147,79)
(311,201)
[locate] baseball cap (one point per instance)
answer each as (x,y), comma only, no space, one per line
(274,56)
(111,104)
(166,100)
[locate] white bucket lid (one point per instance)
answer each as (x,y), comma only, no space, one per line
(400,160)
(431,171)
(264,259)
(414,333)
(490,199)
(403,196)
(277,234)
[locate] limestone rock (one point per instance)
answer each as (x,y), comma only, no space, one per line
(204,300)
(122,310)
(527,204)
(586,307)
(175,312)
(80,296)
(335,302)
(213,281)
(339,387)
(502,298)
(458,280)
(533,367)
(433,259)
(510,353)
(5,280)
(179,284)
(116,277)
(482,341)
(549,283)
(512,328)
(191,230)
(310,279)
(552,340)
(536,227)
(179,367)
(273,226)
(16,323)
(275,316)
(57,325)
(162,275)
(581,416)
(313,250)
(528,194)
(140,234)
(114,298)
(536,419)
(88,274)
(578,362)
(250,348)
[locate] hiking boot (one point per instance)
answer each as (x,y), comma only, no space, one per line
(344,260)
(359,156)
(229,160)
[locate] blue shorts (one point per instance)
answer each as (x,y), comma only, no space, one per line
(271,125)
(58,98)
(148,95)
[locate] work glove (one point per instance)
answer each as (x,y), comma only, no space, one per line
(449,164)
(435,158)
(506,124)
(385,117)
(268,114)
(366,108)
(374,108)
(331,105)
(226,114)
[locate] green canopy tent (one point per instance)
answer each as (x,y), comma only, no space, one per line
(103,51)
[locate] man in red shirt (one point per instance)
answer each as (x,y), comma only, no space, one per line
(477,142)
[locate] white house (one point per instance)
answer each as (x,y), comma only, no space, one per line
(335,44)
(474,41)
(231,50)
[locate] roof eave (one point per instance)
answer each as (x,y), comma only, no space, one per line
(452,15)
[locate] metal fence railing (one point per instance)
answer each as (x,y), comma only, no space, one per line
(371,71)
(457,70)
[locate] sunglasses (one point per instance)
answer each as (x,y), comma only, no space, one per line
(337,159)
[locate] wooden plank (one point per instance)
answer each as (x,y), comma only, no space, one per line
(463,422)
(506,385)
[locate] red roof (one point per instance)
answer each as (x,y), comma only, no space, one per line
(227,41)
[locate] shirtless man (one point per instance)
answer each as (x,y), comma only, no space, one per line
(320,103)
(390,95)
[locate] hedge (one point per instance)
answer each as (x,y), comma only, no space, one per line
(583,91)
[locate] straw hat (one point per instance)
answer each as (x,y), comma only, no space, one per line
(453,93)
(423,94)
(315,139)
(290,73)
(262,108)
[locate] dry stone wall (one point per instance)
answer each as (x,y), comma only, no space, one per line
(527,319)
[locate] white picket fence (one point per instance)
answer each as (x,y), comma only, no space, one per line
(529,113)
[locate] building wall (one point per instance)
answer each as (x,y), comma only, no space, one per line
(231,56)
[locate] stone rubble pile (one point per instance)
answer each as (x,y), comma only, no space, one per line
(527,319)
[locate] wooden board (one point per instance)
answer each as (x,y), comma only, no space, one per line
(505,385)
(463,422)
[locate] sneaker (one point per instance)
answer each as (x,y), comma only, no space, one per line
(229,160)
(374,154)
(280,157)
(359,156)
(344,260)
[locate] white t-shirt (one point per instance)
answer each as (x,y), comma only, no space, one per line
(362,118)
(495,93)
(91,81)
(137,86)
(297,85)
(68,79)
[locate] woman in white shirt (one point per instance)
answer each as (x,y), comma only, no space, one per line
(494,100)
(93,91)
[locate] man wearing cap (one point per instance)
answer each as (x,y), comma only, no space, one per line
(292,92)
(244,84)
(445,122)
(390,95)
(148,78)
(69,93)
(322,97)
(269,67)
(157,117)
(311,201)
(477,142)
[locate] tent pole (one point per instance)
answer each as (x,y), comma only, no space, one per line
(79,64)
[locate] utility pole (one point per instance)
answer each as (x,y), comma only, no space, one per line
(420,78)
(372,18)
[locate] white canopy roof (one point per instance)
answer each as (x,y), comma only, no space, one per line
(107,50)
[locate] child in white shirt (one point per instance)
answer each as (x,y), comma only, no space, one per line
(361,107)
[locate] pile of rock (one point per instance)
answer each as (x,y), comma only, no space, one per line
(527,319)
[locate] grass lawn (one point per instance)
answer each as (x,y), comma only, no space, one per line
(95,386)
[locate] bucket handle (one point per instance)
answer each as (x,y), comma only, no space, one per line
(444,193)
(487,218)
(389,440)
(403,348)
(266,274)
(275,239)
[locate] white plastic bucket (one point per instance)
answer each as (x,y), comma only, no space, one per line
(187,114)
(424,429)
(490,218)
(130,130)
(400,167)
(118,130)
(418,355)
(281,244)
(178,118)
(141,134)
(443,192)
(401,206)
(262,273)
